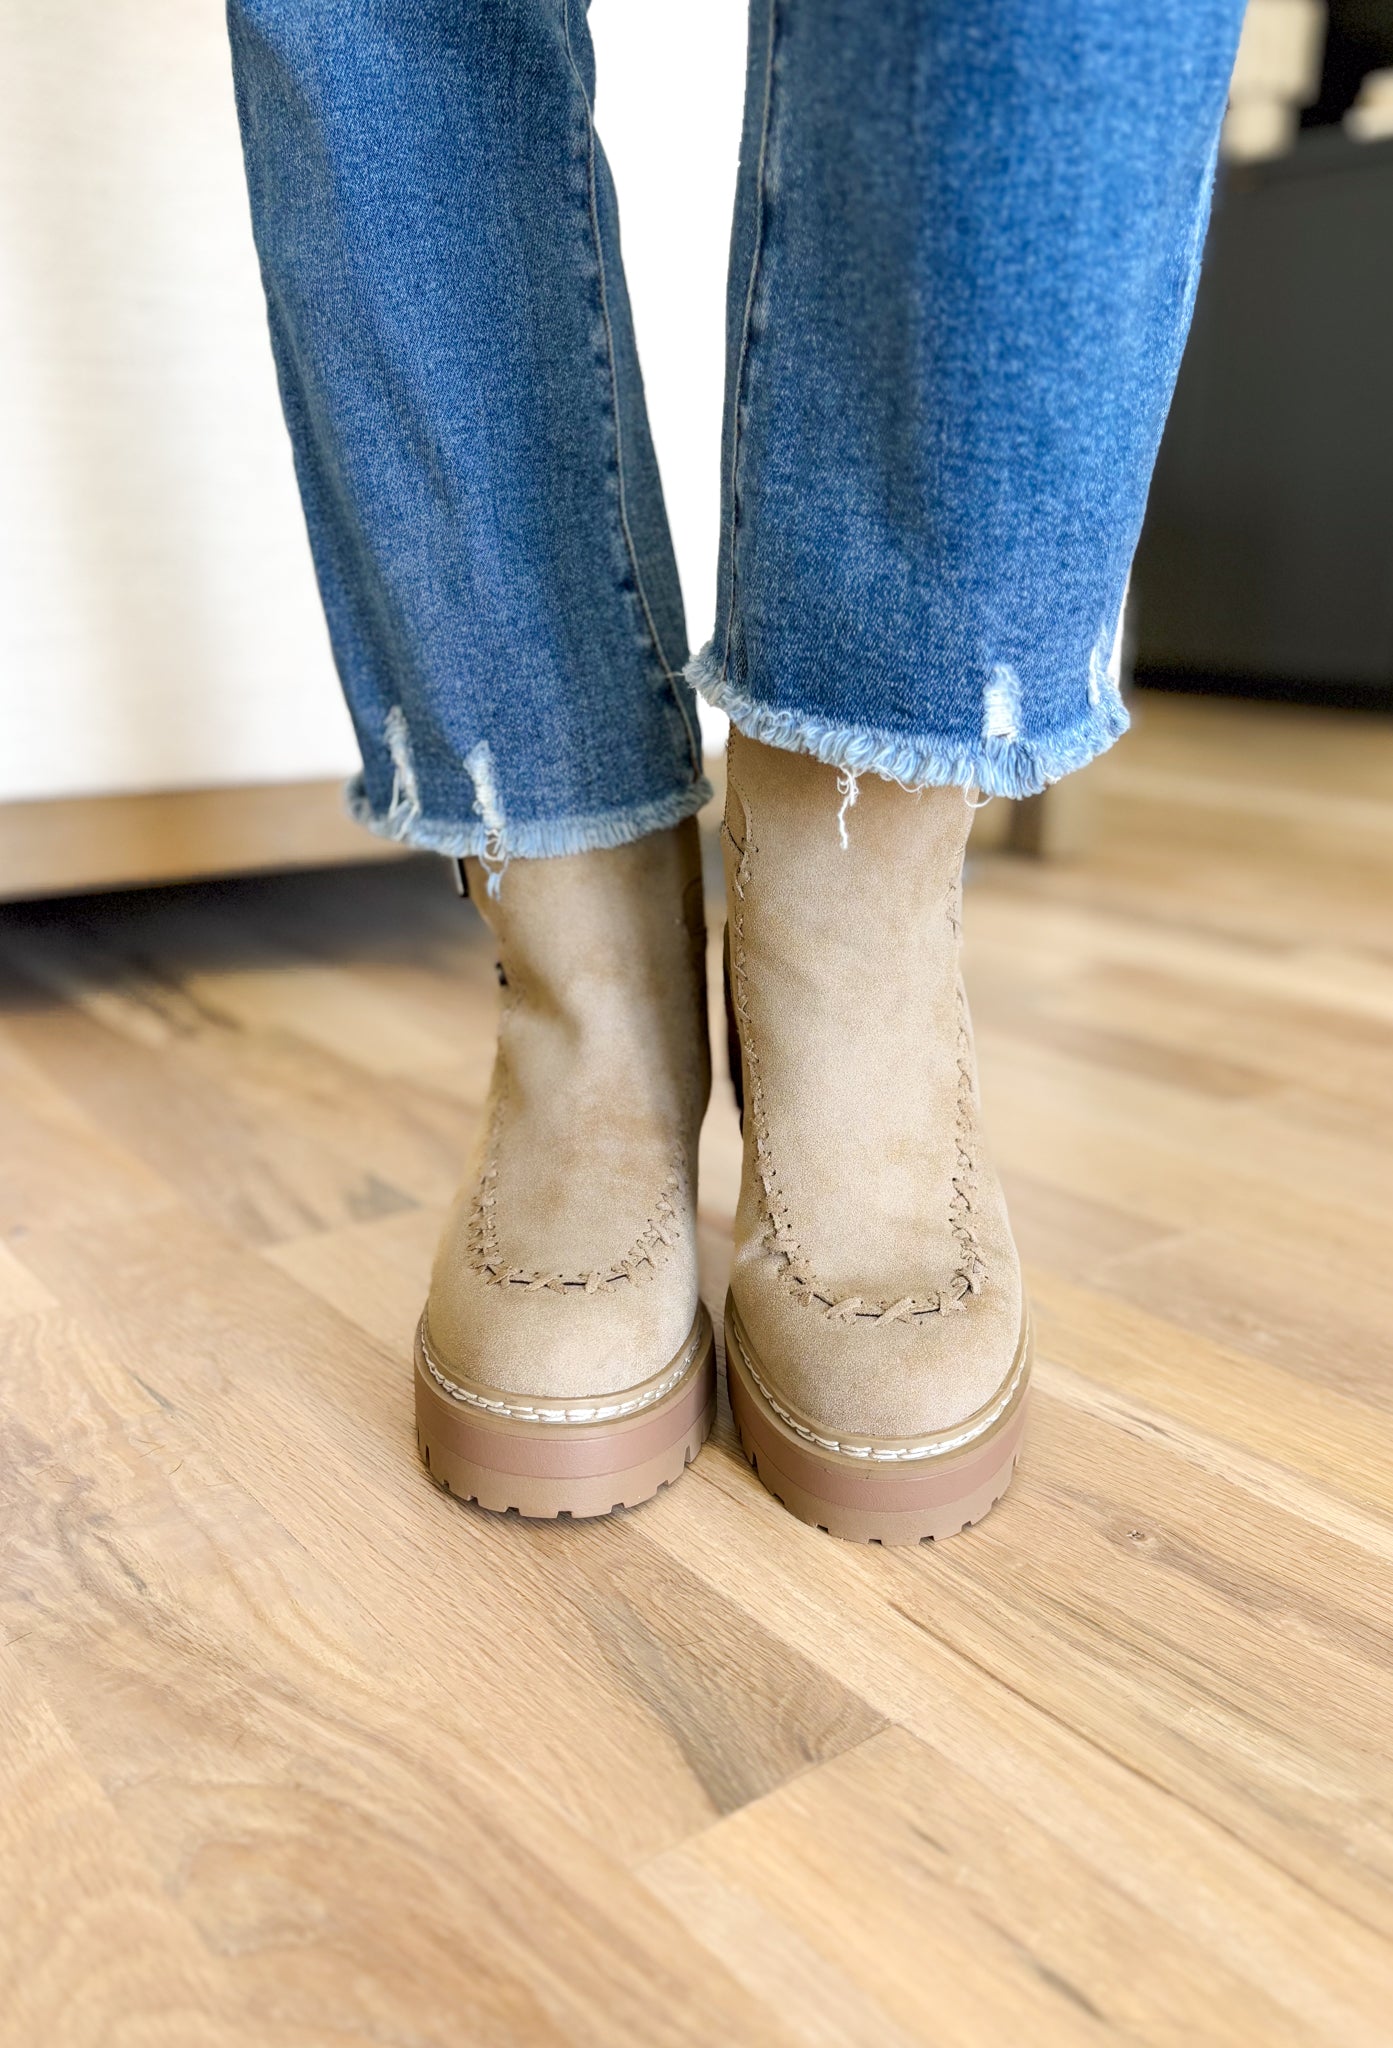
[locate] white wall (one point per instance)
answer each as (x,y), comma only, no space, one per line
(671,85)
(158,622)
(158,625)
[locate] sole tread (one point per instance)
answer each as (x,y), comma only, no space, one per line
(544,1471)
(964,1490)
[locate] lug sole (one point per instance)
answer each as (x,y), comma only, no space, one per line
(543,1469)
(919,1500)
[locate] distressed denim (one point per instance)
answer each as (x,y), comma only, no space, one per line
(965,251)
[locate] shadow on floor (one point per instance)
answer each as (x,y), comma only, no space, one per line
(383,912)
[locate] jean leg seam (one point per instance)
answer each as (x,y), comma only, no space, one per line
(650,622)
(746,324)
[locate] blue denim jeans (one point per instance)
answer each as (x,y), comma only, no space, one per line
(965,252)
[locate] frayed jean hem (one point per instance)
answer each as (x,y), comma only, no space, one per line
(996,767)
(539,839)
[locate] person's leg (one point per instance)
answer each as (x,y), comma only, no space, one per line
(439,245)
(967,243)
(966,250)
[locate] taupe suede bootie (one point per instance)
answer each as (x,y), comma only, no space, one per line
(564,1362)
(877,1342)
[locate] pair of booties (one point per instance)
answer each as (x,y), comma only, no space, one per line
(876,1337)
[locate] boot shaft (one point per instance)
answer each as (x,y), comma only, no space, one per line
(861,1117)
(602,967)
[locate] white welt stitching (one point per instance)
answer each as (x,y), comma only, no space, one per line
(609,1411)
(890,1454)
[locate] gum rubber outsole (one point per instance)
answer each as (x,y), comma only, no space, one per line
(542,1469)
(914,1501)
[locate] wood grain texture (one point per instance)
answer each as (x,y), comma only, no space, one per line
(297,1750)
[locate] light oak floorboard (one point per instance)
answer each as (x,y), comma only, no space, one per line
(902,1899)
(298,1750)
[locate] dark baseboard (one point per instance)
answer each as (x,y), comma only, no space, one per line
(1375,697)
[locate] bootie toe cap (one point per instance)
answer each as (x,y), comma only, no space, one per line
(865,1367)
(558,1339)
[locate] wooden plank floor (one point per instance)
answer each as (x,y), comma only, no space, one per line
(299,1751)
